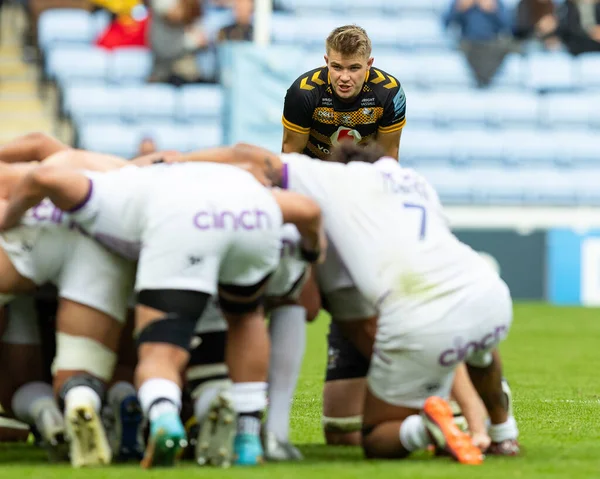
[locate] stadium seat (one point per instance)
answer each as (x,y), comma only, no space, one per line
(129,65)
(100,20)
(445,70)
(426,147)
(452,184)
(148,102)
(512,109)
(588,68)
(214,19)
(200,102)
(413,32)
(66,25)
(404,66)
(567,110)
(114,138)
(422,109)
(587,180)
(529,148)
(412,7)
(455,109)
(302,31)
(547,186)
(84,103)
(205,135)
(510,74)
(477,148)
(167,135)
(77,64)
(495,186)
(550,72)
(577,149)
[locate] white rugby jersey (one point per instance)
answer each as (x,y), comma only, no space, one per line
(119,203)
(387,224)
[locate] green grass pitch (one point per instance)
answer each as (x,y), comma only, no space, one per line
(551,358)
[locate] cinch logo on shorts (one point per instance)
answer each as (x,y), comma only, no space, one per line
(453,356)
(245,219)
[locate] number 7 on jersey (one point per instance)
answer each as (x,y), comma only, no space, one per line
(423,212)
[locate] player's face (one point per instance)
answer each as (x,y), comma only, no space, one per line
(347,73)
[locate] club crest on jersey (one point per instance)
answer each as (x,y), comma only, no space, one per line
(344,133)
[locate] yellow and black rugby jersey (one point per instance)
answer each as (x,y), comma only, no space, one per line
(312,107)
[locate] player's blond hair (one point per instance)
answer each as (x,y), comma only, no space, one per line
(349,40)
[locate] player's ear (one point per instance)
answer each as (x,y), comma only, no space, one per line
(326,60)
(370,62)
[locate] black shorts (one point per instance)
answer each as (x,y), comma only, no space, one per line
(344,361)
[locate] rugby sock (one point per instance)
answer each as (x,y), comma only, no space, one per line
(249,401)
(506,430)
(159,396)
(288,341)
(210,391)
(31,398)
(120,391)
(83,394)
(413,434)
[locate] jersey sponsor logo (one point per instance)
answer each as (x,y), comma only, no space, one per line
(234,220)
(328,115)
(343,134)
(367,102)
(462,350)
(327,101)
(324,150)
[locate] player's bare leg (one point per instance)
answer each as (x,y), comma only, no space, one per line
(488,382)
(247,357)
(393,432)
(343,401)
(87,341)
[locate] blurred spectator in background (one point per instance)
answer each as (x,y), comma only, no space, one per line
(485,35)
(536,24)
(579,25)
(241,29)
(146,146)
(173,34)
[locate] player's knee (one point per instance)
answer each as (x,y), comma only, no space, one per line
(375,445)
(78,353)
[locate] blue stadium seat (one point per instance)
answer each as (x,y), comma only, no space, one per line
(529,148)
(205,135)
(302,31)
(547,186)
(200,102)
(496,186)
(413,32)
(115,138)
(510,74)
(477,148)
(426,147)
(413,6)
(100,20)
(214,19)
(588,66)
(89,102)
(452,184)
(587,180)
(301,6)
(422,109)
(550,72)
(468,108)
(567,110)
(404,66)
(512,109)
(129,65)
(77,64)
(167,135)
(445,70)
(577,148)
(66,25)
(148,102)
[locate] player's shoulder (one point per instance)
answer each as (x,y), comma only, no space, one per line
(311,82)
(383,83)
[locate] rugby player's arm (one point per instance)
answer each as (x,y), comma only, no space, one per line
(31,147)
(390,142)
(265,165)
(66,187)
(305,214)
(85,160)
(293,141)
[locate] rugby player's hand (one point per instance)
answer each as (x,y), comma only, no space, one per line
(481,440)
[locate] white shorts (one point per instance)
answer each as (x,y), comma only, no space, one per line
(340,296)
(233,238)
(410,366)
(82,270)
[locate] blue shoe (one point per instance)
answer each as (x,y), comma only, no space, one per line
(166,442)
(128,421)
(248,450)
